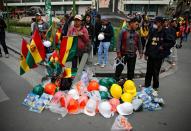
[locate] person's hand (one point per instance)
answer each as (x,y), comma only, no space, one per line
(80,33)
(161,48)
(146,57)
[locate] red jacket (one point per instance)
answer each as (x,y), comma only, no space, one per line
(83,40)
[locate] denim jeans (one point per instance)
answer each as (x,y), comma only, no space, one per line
(103,52)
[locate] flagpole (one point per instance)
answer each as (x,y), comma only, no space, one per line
(74,8)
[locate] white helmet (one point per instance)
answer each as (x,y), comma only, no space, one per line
(103,88)
(95,95)
(101,36)
(105,109)
(74,93)
(47,43)
(125,109)
(90,108)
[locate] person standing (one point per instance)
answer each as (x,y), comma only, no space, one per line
(2,37)
(83,39)
(103,49)
(128,43)
(97,28)
(157,48)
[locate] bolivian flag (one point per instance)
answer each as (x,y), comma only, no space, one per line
(23,64)
(36,49)
(124,26)
(68,48)
(58,35)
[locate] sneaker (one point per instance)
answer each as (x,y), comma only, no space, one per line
(102,66)
(96,64)
(6,55)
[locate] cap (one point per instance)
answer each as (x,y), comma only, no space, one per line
(38,14)
(79,17)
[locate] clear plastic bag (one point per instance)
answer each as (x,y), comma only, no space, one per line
(121,124)
(55,108)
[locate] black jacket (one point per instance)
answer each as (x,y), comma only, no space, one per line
(108,32)
(160,43)
(2,26)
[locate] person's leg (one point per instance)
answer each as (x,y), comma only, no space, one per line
(106,50)
(2,41)
(156,70)
(143,41)
(149,72)
(119,70)
(100,52)
(131,68)
(75,62)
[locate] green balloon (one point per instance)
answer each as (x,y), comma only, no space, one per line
(38,89)
(104,95)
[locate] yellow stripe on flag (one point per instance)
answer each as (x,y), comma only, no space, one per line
(24,65)
(69,45)
(34,52)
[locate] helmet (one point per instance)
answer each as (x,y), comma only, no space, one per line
(105,109)
(125,109)
(111,81)
(56,97)
(126,97)
(74,94)
(101,36)
(104,95)
(129,85)
(38,90)
(50,88)
(114,103)
(104,82)
(103,88)
(83,101)
(93,85)
(63,101)
(90,108)
(95,95)
(72,106)
(47,43)
(116,91)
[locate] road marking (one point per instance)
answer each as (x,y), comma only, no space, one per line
(3,96)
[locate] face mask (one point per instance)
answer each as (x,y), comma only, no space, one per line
(155,26)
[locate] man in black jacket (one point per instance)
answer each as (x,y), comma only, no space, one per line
(157,48)
(2,37)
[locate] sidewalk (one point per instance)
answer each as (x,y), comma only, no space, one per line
(14,42)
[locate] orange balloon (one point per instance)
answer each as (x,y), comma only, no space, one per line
(93,85)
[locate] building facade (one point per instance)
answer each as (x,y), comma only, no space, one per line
(152,7)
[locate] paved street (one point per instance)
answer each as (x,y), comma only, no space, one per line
(175,89)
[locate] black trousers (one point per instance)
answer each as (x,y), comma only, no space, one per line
(153,70)
(143,41)
(2,42)
(130,68)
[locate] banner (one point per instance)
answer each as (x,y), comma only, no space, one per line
(104,3)
(48,12)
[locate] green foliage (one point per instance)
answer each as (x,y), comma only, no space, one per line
(26,31)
